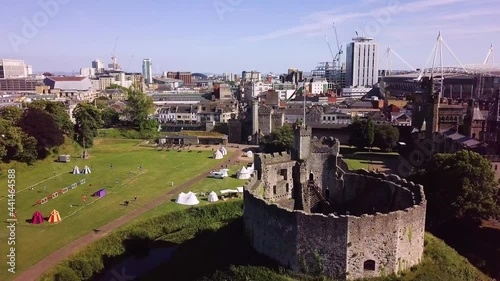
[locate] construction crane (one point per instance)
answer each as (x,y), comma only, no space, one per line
(113,56)
(339,48)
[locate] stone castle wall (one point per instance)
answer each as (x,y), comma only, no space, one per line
(339,246)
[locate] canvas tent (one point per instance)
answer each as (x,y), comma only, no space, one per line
(249,154)
(240,189)
(223,150)
(224,173)
(37,218)
(76,171)
(100,193)
(250,168)
(86,170)
(243,174)
(63,158)
(218,155)
(212,197)
(54,216)
(187,199)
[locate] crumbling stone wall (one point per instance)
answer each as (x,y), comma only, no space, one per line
(382,233)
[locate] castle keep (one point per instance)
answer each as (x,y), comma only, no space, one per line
(311,214)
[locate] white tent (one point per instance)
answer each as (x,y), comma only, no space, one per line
(187,199)
(224,173)
(243,174)
(250,169)
(76,171)
(249,154)
(212,197)
(86,170)
(223,150)
(218,155)
(240,189)
(226,191)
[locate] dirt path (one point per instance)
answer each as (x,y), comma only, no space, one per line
(60,255)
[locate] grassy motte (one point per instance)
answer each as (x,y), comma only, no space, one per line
(212,244)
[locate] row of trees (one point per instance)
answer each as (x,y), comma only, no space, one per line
(89,117)
(364,133)
(37,130)
(31,134)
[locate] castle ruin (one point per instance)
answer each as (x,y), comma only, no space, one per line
(309,213)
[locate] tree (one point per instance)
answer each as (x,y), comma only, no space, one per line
(459,186)
(362,133)
(110,117)
(88,120)
(11,114)
(386,137)
(42,126)
(139,107)
(280,139)
(58,112)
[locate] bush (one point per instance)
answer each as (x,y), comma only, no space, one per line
(81,268)
(65,274)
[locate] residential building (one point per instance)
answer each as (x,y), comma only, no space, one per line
(253,89)
(70,87)
(13,68)
(147,71)
(357,92)
(113,94)
(88,72)
(228,76)
(98,65)
(317,86)
(362,62)
(184,76)
(251,76)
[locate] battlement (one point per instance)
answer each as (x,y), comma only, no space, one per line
(416,189)
(303,131)
(325,145)
(270,158)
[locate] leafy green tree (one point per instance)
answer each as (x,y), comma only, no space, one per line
(362,133)
(110,117)
(88,120)
(386,137)
(459,186)
(11,113)
(139,107)
(42,126)
(58,112)
(280,139)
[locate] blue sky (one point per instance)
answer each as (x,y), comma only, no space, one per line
(234,35)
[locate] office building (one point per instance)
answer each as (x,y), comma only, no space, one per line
(98,65)
(13,68)
(147,71)
(251,76)
(184,76)
(362,62)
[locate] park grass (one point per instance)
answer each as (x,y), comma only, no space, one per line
(363,159)
(159,169)
(206,185)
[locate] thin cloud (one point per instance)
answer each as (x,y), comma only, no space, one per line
(323,18)
(470,14)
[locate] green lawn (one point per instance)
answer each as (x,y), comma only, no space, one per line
(159,169)
(207,185)
(369,159)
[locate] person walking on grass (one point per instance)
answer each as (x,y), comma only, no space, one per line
(172,183)
(45,188)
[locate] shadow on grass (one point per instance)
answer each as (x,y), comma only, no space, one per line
(480,245)
(209,251)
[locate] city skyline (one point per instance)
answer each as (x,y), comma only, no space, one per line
(234,35)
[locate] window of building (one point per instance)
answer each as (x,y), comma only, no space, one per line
(284,173)
(496,167)
(311,177)
(274,190)
(369,265)
(287,187)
